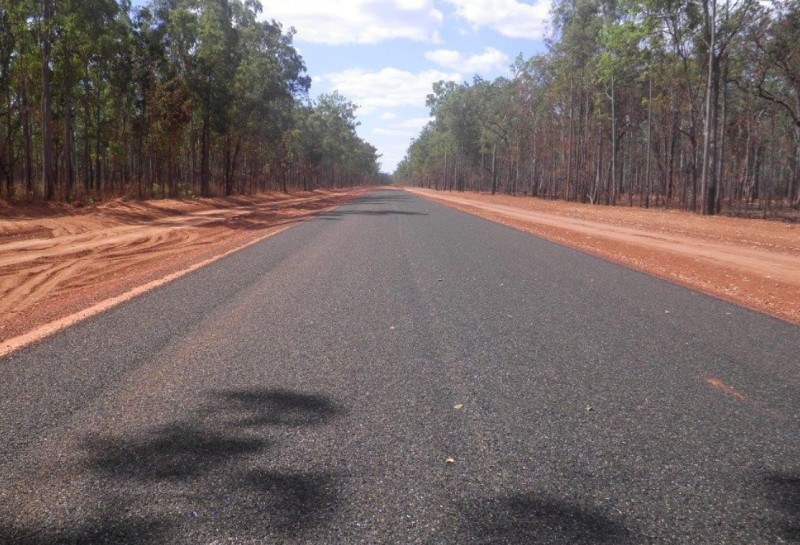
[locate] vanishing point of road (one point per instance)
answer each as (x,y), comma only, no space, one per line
(395,371)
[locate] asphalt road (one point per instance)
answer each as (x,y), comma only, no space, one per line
(302,391)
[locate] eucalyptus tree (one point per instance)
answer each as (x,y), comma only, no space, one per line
(7,43)
(645,101)
(721,25)
(326,146)
(168,98)
(771,71)
(269,78)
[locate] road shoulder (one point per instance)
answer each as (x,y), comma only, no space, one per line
(752,263)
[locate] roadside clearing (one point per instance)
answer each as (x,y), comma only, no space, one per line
(753,263)
(59,268)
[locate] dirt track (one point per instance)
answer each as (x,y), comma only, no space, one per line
(754,263)
(52,265)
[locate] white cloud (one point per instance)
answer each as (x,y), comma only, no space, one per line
(357,21)
(387,116)
(387,88)
(491,60)
(414,123)
(510,18)
(393,154)
(394,132)
(408,128)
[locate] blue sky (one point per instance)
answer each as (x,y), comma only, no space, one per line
(384,55)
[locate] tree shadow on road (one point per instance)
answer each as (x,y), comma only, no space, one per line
(176,451)
(109,527)
(277,408)
(783,494)
(294,501)
(338,214)
(227,471)
(354,208)
(529,518)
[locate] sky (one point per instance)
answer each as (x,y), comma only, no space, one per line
(384,55)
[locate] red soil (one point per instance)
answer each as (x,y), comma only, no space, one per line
(56,261)
(754,263)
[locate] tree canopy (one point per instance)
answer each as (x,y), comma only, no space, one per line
(686,103)
(174,98)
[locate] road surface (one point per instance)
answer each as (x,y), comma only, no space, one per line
(304,390)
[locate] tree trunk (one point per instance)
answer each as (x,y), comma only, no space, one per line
(568,181)
(648,181)
(708,176)
(192,155)
(87,163)
(204,173)
(613,189)
(718,178)
(444,182)
(67,144)
(48,168)
(796,184)
(673,142)
(228,177)
(10,142)
(27,145)
(98,173)
(456,179)
(235,157)
(693,171)
(494,167)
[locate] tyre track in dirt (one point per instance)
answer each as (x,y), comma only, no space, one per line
(51,267)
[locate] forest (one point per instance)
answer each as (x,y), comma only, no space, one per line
(690,104)
(177,98)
